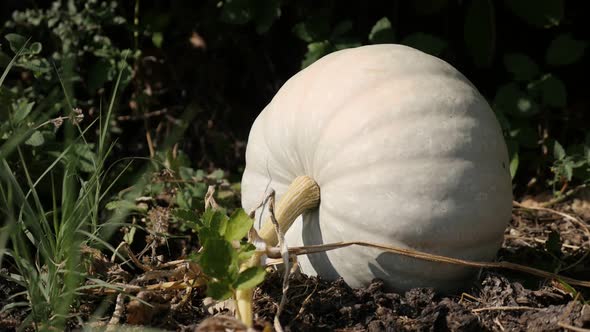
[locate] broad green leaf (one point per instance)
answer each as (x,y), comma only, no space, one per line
(315,51)
(37,66)
(219,290)
(568,168)
(215,221)
(186,215)
(130,235)
(217,174)
(341,28)
(538,13)
(238,225)
(250,278)
(313,29)
(36,139)
(382,32)
(513,153)
(125,205)
(513,165)
(157,39)
(218,258)
(479,31)
(427,43)
(521,66)
(85,157)
(429,7)
(265,13)
(186,173)
(511,99)
(21,108)
(246,251)
(558,151)
(524,134)
(236,11)
(554,93)
(565,50)
(15,41)
(100,72)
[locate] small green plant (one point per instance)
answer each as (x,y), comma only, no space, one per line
(224,250)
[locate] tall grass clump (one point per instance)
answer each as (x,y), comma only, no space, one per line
(42,231)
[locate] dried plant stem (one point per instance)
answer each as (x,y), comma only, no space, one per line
(434,258)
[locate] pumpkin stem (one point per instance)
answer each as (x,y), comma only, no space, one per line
(303,194)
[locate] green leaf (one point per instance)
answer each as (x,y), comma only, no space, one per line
(85,157)
(35,48)
(265,13)
(250,278)
(313,29)
(479,31)
(341,28)
(382,32)
(157,39)
(429,7)
(568,169)
(15,41)
(130,235)
(426,43)
(565,50)
(36,139)
(246,251)
(238,225)
(524,134)
(513,165)
(511,99)
(185,215)
(513,153)
(100,72)
(217,174)
(558,151)
(124,205)
(554,93)
(218,258)
(37,66)
(538,13)
(219,290)
(186,173)
(215,221)
(522,67)
(21,108)
(236,11)
(315,51)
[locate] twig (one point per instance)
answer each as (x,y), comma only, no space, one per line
(134,259)
(117,313)
(209,200)
(504,308)
(285,256)
(572,328)
(568,217)
(142,116)
(563,197)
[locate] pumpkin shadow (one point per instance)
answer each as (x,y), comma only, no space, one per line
(312,235)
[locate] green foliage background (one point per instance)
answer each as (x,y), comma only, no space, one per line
(209,67)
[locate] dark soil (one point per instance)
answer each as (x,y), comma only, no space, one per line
(496,300)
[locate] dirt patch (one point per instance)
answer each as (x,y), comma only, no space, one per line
(496,300)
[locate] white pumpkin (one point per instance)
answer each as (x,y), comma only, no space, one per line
(405,151)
